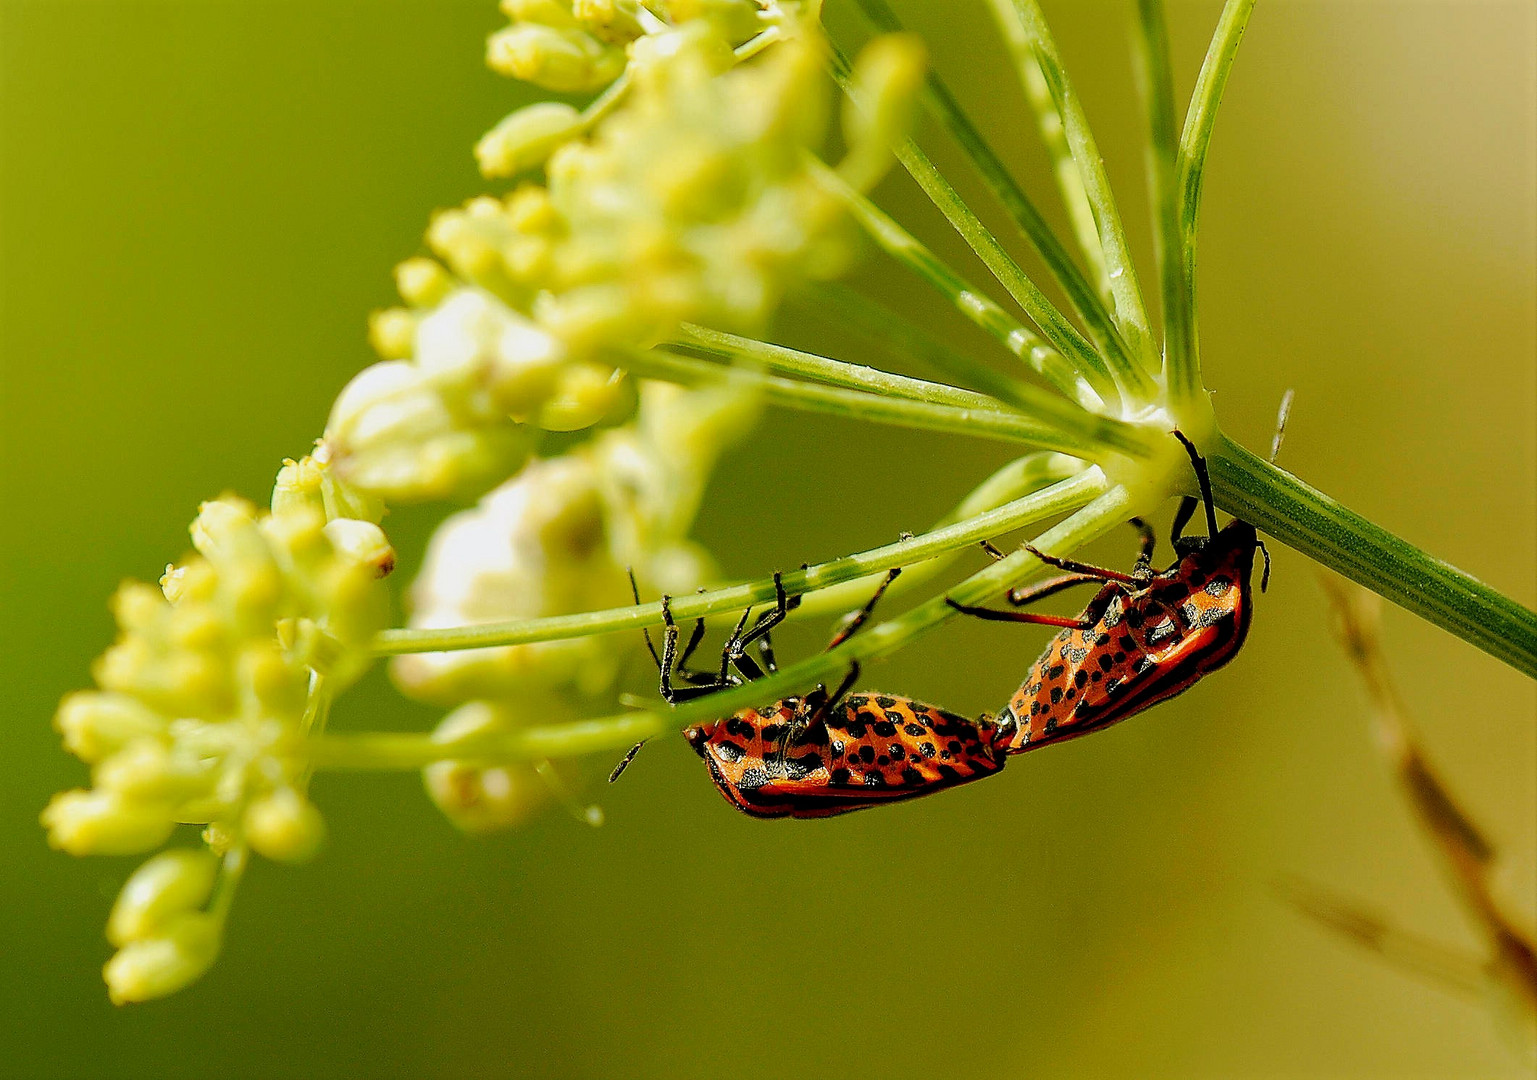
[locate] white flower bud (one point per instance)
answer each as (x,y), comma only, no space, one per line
(97,725)
(481,800)
(154,967)
(284,826)
(392,435)
(566,61)
(167,885)
(474,340)
(362,542)
(104,823)
(526,138)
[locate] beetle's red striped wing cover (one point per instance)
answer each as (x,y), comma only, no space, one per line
(1145,646)
(875,749)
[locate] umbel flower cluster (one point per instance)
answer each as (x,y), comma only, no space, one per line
(687,192)
(202,702)
(569,363)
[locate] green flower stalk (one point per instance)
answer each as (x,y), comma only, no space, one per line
(620,293)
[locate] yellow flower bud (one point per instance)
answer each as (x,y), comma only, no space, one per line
(549,12)
(526,138)
(195,581)
(590,317)
(284,826)
(149,772)
(737,20)
(530,210)
(298,486)
(390,331)
(470,240)
(878,110)
(104,823)
(422,282)
(96,725)
(166,886)
(566,61)
(614,21)
(154,967)
(224,529)
(586,394)
(278,686)
(137,606)
(362,542)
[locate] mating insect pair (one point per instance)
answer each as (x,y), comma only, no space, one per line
(1144,637)
(824,753)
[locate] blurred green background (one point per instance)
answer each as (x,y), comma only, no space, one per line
(202,200)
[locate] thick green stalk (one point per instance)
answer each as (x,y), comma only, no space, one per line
(1294,513)
(1066,494)
(1181,362)
(1025,16)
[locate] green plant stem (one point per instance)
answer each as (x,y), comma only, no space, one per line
(1024,16)
(409,751)
(1056,329)
(1065,171)
(1084,300)
(902,337)
(1093,435)
(1190,169)
(1181,362)
(1309,521)
(1064,495)
(1000,390)
(975,305)
(780,358)
(837,303)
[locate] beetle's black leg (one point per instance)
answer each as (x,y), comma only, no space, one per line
(1081,568)
(1021,616)
(1201,475)
(1029,594)
(855,621)
(635,592)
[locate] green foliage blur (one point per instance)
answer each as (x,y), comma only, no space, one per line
(202,201)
